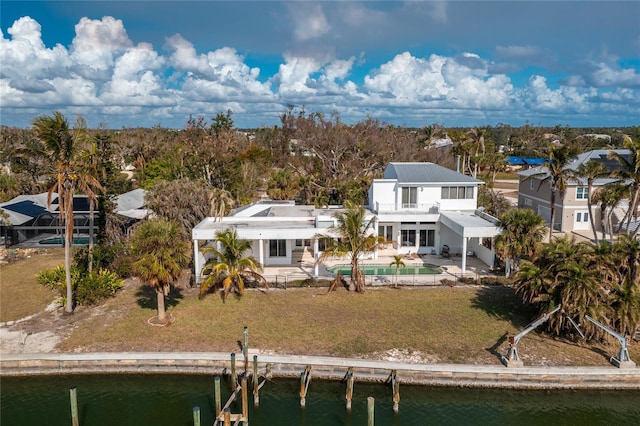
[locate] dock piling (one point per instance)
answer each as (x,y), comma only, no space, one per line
(245,349)
(245,403)
(73,396)
(395,384)
(216,394)
(227,416)
(350,383)
(305,378)
(370,411)
(234,378)
(256,385)
(196,416)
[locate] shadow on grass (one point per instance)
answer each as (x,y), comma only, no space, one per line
(502,303)
(147,298)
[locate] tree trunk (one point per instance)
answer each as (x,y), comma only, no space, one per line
(553,212)
(590,208)
(161,311)
(91,219)
(67,204)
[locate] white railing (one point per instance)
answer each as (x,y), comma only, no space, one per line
(428,208)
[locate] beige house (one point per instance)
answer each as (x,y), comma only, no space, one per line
(571,208)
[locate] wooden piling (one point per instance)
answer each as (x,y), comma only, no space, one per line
(234,378)
(196,416)
(350,382)
(395,384)
(305,378)
(245,403)
(245,349)
(73,396)
(227,416)
(256,386)
(370,411)
(216,394)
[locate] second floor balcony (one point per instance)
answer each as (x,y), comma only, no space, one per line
(408,208)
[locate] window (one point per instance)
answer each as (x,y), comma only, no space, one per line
(409,197)
(278,248)
(386,231)
(408,237)
(527,202)
(457,192)
(582,193)
(582,217)
(427,237)
(531,184)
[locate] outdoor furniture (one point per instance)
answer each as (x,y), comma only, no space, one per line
(445,251)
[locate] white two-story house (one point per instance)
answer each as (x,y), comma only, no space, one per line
(420,207)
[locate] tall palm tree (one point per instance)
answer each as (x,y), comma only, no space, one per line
(630,170)
(398,263)
(609,196)
(229,267)
(591,171)
(159,249)
(354,238)
(521,232)
(556,173)
(62,145)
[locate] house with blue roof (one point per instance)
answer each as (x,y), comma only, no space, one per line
(420,208)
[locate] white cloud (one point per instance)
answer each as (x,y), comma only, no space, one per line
(308,21)
(606,76)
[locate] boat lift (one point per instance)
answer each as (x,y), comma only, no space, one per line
(622,360)
(511,359)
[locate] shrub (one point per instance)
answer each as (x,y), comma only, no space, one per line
(88,288)
(94,287)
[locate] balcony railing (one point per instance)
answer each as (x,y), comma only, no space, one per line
(431,208)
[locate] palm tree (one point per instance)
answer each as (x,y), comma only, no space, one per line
(630,169)
(159,249)
(609,196)
(62,145)
(354,238)
(229,268)
(521,232)
(398,263)
(591,171)
(556,173)
(220,203)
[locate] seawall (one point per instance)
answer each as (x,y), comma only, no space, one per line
(329,368)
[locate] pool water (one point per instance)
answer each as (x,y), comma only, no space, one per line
(60,240)
(425,269)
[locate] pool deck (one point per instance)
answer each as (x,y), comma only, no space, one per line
(328,368)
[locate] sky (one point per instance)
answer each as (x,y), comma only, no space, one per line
(406,63)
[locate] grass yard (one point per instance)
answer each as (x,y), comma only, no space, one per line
(439,324)
(20,293)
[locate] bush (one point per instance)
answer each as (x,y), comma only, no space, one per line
(88,289)
(94,287)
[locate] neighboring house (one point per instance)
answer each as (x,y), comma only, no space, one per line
(28,218)
(420,207)
(571,209)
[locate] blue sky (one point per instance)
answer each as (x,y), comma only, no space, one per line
(456,63)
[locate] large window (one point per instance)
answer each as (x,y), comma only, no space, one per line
(582,193)
(386,231)
(427,238)
(408,237)
(409,197)
(457,192)
(278,248)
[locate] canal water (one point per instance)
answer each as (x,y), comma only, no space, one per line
(141,400)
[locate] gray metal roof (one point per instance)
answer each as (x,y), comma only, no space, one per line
(425,173)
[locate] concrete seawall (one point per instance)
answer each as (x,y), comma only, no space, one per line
(330,368)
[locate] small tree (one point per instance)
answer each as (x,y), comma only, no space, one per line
(398,263)
(354,239)
(229,267)
(159,249)
(521,232)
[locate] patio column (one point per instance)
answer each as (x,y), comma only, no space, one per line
(464,254)
(315,257)
(197,267)
(261,252)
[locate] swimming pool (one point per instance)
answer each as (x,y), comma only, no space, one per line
(60,240)
(424,269)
